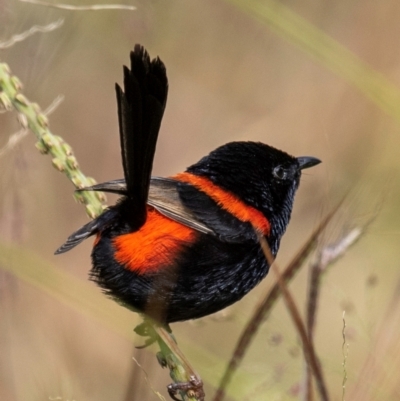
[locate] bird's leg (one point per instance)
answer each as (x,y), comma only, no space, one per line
(179,367)
(186,381)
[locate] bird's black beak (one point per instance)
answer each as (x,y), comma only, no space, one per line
(307,161)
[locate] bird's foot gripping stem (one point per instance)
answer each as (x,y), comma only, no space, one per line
(186,382)
(193,389)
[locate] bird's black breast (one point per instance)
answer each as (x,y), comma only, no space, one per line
(213,275)
(208,276)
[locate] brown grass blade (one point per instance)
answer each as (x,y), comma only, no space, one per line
(265,306)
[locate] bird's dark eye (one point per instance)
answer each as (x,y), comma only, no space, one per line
(280,173)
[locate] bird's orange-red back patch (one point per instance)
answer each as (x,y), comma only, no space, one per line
(228,201)
(154,246)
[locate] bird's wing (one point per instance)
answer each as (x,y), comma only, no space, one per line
(189,206)
(87,230)
(163,196)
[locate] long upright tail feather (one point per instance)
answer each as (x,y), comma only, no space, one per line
(141,107)
(140,111)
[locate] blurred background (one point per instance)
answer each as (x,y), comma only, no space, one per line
(312,77)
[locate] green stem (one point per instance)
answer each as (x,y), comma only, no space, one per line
(63,159)
(179,368)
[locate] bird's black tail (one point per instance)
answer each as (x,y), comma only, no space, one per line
(140,110)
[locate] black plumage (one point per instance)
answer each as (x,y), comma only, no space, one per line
(183,247)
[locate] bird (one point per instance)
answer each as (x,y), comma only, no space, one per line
(186,246)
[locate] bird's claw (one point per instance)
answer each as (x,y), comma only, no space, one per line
(161,360)
(192,388)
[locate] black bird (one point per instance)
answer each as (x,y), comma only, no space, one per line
(187,246)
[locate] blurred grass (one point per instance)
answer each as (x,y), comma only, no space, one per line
(67,289)
(87,300)
(325,50)
(231,77)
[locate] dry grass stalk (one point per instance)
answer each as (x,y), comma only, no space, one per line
(94,7)
(34,29)
(265,306)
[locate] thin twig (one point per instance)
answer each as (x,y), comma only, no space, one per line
(325,259)
(13,140)
(308,349)
(263,309)
(384,343)
(94,7)
(146,377)
(345,351)
(36,28)
(313,293)
(54,104)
